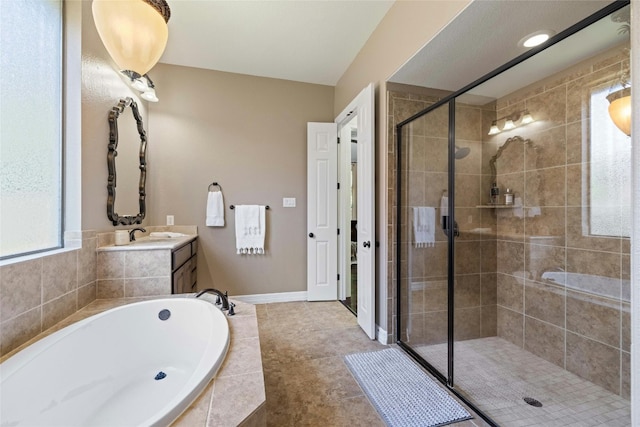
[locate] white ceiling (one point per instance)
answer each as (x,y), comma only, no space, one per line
(300,40)
(485,35)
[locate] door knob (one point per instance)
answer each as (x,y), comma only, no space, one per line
(366,244)
(312,235)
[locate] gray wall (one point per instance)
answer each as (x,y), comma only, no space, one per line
(248,134)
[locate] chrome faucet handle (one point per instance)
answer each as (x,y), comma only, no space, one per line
(231,310)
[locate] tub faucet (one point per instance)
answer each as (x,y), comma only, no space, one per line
(132,233)
(221,296)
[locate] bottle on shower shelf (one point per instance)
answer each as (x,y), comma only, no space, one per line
(508,197)
(494,194)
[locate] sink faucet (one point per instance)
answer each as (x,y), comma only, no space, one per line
(132,233)
(223,297)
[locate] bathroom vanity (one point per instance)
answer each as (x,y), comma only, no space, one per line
(147,266)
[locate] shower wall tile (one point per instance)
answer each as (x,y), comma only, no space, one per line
(541,258)
(546,149)
(436,152)
(468,257)
(488,294)
(489,321)
(467,291)
(87,261)
(510,292)
(594,263)
(86,294)
(575,175)
(510,258)
(545,302)
(550,223)
(435,295)
(545,187)
(488,262)
(468,122)
(625,374)
(467,323)
(544,340)
(467,190)
(594,361)
(594,317)
(510,326)
(435,327)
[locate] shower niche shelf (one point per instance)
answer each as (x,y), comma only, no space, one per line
(495,206)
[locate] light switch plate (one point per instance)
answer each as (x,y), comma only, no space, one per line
(289,202)
(169,219)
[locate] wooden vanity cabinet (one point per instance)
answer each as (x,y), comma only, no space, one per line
(184,268)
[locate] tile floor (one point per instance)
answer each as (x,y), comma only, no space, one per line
(306,380)
(510,373)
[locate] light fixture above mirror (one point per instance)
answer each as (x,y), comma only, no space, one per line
(524,118)
(134,32)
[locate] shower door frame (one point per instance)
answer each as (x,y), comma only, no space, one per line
(450,99)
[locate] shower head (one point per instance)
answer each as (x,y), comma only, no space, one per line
(461,152)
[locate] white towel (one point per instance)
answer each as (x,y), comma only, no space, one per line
(215,209)
(250,229)
(424,226)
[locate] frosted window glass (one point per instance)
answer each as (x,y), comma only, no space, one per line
(609,173)
(30,126)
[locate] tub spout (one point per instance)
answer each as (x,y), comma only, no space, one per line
(223,297)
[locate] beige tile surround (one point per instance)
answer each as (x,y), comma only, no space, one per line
(36,294)
(236,396)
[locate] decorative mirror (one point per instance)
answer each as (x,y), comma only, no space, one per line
(130,141)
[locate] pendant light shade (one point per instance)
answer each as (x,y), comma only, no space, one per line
(134,32)
(620,109)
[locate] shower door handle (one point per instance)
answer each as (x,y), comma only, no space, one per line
(312,235)
(366,244)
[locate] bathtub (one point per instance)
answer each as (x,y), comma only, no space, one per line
(140,364)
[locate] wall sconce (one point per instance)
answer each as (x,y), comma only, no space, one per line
(509,121)
(142,83)
(134,32)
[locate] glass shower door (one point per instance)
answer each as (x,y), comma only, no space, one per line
(423,249)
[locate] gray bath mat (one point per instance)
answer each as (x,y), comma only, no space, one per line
(402,393)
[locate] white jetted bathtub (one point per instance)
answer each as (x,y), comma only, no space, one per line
(140,364)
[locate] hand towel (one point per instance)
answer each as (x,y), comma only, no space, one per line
(424,225)
(215,209)
(250,229)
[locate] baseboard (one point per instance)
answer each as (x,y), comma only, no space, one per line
(275,297)
(382,336)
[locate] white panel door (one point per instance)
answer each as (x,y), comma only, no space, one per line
(363,108)
(322,222)
(366,212)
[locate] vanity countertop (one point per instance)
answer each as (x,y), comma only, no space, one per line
(145,243)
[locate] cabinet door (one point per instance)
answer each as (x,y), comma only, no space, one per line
(180,280)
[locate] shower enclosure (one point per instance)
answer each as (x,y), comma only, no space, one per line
(512,234)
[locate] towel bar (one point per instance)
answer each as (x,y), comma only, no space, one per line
(233,207)
(215,184)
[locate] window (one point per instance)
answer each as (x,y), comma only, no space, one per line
(31,126)
(609,172)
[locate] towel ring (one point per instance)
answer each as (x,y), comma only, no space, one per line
(233,207)
(215,184)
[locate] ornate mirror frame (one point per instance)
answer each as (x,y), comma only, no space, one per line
(111,163)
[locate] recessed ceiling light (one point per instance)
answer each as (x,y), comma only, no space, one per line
(535,39)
